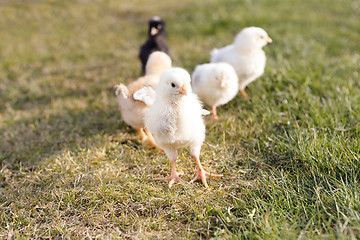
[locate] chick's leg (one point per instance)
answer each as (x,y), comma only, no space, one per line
(175,176)
(242,91)
(201,173)
(214,115)
(150,138)
(142,135)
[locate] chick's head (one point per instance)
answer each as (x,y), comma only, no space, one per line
(252,38)
(156,26)
(174,83)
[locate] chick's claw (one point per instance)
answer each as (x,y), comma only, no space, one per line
(174,178)
(202,174)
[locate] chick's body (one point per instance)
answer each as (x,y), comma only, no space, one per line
(175,120)
(177,124)
(215,84)
(245,55)
(132,110)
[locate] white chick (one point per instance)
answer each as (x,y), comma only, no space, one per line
(215,83)
(175,120)
(136,99)
(245,55)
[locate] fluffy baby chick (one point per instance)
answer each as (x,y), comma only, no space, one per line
(156,40)
(175,120)
(136,99)
(245,55)
(215,84)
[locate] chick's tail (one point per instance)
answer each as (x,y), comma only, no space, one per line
(213,54)
(121,91)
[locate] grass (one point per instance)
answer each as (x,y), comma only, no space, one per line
(71,168)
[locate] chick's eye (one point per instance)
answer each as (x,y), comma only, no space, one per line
(173,85)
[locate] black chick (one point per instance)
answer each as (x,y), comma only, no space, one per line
(156,40)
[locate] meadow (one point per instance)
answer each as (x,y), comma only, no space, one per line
(70,168)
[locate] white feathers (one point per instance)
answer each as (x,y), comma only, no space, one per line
(204,112)
(146,95)
(156,18)
(245,54)
(215,83)
(175,117)
(122,91)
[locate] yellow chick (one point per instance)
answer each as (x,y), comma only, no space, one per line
(136,98)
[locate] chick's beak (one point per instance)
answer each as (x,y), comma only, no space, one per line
(269,40)
(183,90)
(222,82)
(154,31)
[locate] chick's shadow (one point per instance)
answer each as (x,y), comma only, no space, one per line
(30,141)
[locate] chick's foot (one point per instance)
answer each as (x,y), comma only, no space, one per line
(202,174)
